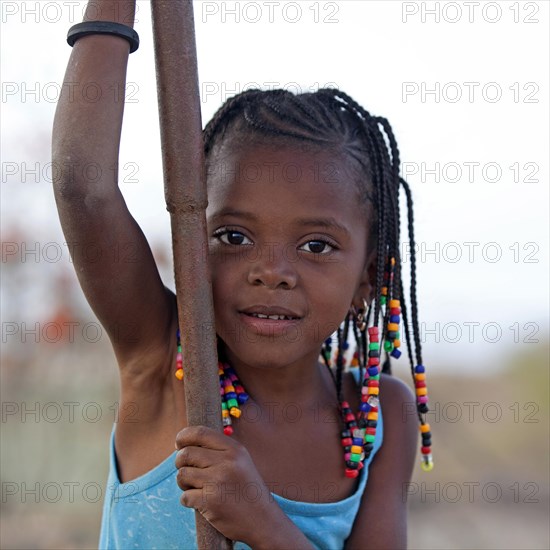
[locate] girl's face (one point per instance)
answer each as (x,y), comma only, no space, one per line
(287,240)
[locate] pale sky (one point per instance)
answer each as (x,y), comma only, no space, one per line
(467,96)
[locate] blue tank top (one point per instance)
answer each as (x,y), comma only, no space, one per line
(146,513)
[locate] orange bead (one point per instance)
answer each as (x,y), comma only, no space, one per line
(421,391)
(420,376)
(355,449)
(374,391)
(372,416)
(394,327)
(424,428)
(396,343)
(179,374)
(394,303)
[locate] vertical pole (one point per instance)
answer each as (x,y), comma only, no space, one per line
(185,193)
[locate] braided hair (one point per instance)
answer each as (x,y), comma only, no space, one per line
(330,119)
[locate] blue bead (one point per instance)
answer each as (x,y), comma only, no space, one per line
(365,407)
(395,353)
(328,341)
(395,319)
(373,371)
(358,441)
(242,398)
(345,345)
(178,333)
(231,395)
(419,368)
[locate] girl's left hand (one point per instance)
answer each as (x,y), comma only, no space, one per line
(220,480)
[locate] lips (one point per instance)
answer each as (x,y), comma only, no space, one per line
(273,313)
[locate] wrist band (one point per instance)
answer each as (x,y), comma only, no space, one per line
(103,27)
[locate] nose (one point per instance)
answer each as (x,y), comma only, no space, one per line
(273,268)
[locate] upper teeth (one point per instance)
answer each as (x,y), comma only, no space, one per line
(274,317)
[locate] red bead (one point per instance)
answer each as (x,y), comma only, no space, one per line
(395,311)
(371,431)
(351,473)
(350,417)
(425,450)
(360,465)
(228,430)
(373,331)
(345,405)
(373,383)
(347,442)
(374,361)
(420,384)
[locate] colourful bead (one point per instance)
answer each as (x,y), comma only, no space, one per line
(228,430)
(357,449)
(419,368)
(235,411)
(179,374)
(382,300)
(394,303)
(422,399)
(356,457)
(374,391)
(395,311)
(393,326)
(421,391)
(395,319)
(425,427)
(425,450)
(351,473)
(347,441)
(373,371)
(420,384)
(369,438)
(395,353)
(388,346)
(372,416)
(420,376)
(374,345)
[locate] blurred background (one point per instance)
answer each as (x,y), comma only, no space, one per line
(465,87)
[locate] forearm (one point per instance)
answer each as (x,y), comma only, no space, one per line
(88,119)
(278,532)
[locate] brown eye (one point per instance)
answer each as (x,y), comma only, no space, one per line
(233,237)
(317,247)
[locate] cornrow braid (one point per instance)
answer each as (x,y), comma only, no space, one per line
(331,120)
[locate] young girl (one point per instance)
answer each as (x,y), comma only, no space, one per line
(304,233)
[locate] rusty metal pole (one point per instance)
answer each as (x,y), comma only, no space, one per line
(185,193)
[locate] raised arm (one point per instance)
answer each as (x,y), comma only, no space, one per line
(112,258)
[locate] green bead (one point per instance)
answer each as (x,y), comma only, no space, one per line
(179,349)
(224,405)
(375,377)
(232,403)
(388,346)
(374,345)
(369,438)
(382,300)
(355,457)
(397,336)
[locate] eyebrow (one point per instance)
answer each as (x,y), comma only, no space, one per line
(327,223)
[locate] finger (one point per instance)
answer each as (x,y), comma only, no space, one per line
(201,436)
(200,457)
(193,498)
(195,478)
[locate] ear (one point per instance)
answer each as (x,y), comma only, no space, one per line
(367,283)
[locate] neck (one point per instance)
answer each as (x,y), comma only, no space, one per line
(303,382)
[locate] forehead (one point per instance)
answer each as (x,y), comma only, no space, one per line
(284,182)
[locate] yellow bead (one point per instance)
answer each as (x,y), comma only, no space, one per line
(374,391)
(420,376)
(393,262)
(372,416)
(220,371)
(179,374)
(394,327)
(424,428)
(394,303)
(421,391)
(355,449)
(225,413)
(235,412)
(427,466)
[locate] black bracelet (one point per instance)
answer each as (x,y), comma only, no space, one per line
(103,27)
